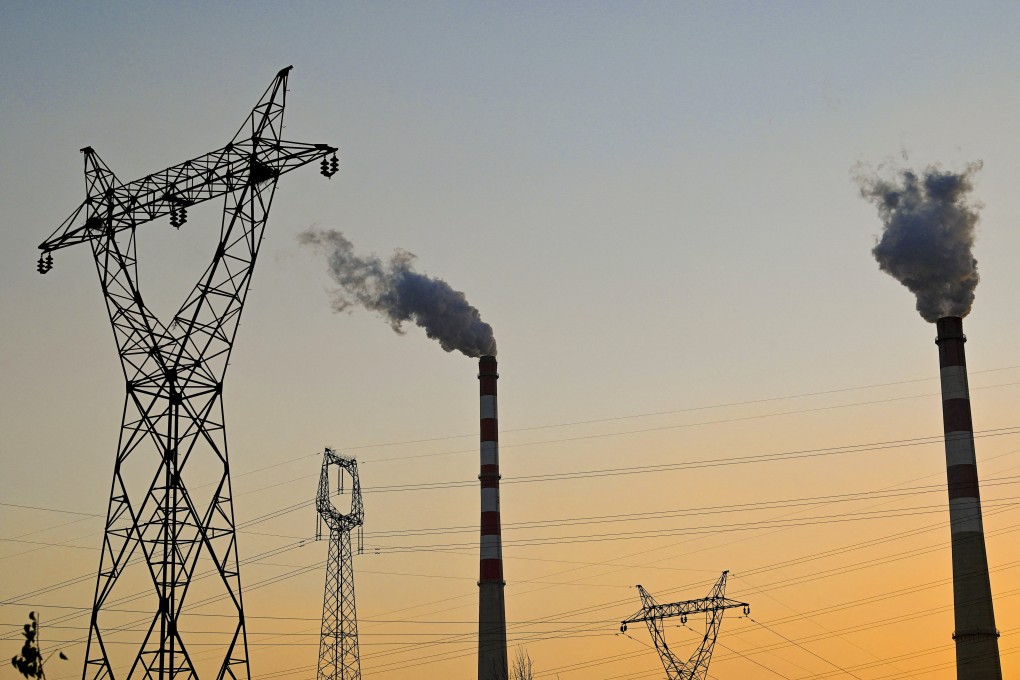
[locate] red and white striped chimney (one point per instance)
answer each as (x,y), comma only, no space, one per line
(492,654)
(977,643)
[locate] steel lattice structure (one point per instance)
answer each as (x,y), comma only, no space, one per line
(170,519)
(713,606)
(339,658)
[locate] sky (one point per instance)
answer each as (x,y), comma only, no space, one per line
(702,367)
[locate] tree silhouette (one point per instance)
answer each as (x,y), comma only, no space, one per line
(30,662)
(521,668)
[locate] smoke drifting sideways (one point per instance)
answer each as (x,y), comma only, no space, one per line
(928,236)
(399,294)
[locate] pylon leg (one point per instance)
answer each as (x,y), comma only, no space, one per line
(339,657)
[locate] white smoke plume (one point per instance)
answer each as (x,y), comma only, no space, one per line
(928,236)
(399,294)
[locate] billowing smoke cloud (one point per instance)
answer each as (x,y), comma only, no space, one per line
(928,236)
(400,294)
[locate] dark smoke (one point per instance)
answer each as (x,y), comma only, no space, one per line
(400,294)
(928,236)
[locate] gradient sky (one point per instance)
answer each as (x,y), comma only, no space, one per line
(652,204)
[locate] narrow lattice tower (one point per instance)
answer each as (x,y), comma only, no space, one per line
(977,640)
(492,658)
(338,645)
(170,517)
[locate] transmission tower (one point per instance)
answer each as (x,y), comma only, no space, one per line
(713,606)
(170,518)
(338,644)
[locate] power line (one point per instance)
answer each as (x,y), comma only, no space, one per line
(636,416)
(685,425)
(36,507)
(804,501)
(609,472)
(853,448)
(746,657)
(689,409)
(260,583)
(302,505)
(556,634)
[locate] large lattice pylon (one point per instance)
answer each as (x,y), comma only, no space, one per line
(713,606)
(170,520)
(339,658)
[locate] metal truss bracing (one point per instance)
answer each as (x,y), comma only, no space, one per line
(339,658)
(713,606)
(170,520)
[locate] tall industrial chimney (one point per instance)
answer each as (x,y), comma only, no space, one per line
(492,656)
(977,640)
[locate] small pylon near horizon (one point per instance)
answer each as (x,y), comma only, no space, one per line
(713,606)
(339,658)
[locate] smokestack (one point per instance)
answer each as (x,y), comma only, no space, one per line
(977,640)
(926,244)
(492,656)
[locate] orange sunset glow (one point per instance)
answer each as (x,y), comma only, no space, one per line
(685,227)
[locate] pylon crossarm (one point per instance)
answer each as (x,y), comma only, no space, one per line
(117,207)
(336,520)
(683,609)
